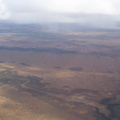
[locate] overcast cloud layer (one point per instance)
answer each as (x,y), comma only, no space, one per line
(93,12)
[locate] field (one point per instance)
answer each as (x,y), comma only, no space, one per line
(59,76)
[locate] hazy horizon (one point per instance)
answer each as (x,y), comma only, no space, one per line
(94,13)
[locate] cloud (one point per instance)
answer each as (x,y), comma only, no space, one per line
(108,7)
(4,13)
(94,12)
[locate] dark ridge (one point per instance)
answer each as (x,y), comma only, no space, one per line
(76,69)
(1,61)
(34,78)
(50,50)
(101,46)
(13,62)
(58,67)
(66,86)
(24,64)
(99,53)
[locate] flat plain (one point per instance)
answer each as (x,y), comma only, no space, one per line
(59,76)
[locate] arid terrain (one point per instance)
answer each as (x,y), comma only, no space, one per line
(59,76)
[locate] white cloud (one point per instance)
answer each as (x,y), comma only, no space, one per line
(87,11)
(109,7)
(80,6)
(4,13)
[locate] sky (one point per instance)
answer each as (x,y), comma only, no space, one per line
(101,13)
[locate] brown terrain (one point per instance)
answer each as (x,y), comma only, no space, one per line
(60,76)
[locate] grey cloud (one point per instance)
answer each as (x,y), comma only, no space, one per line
(100,13)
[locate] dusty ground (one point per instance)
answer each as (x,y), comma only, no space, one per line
(74,76)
